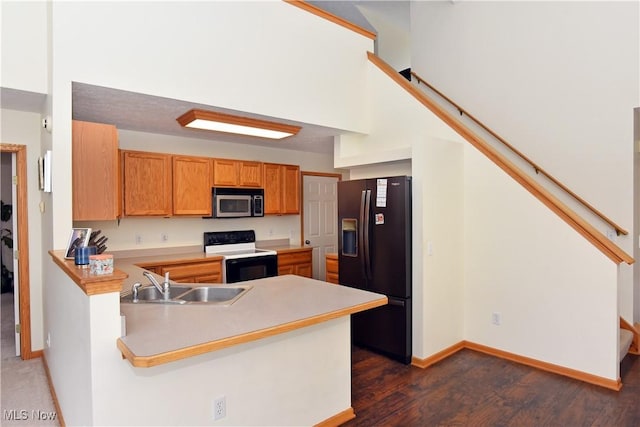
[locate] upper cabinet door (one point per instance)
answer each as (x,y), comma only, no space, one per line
(250,174)
(94,169)
(147,183)
(291,189)
(192,185)
(281,189)
(237,173)
(272,189)
(225,173)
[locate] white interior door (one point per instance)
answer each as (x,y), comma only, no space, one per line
(320,222)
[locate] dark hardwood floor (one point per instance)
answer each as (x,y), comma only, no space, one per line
(474,389)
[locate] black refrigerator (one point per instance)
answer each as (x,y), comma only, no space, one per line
(374,220)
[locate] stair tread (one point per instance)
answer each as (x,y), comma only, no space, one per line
(626,338)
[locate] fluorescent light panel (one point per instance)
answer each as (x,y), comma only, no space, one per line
(227,123)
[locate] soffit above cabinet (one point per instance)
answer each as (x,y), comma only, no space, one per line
(153,114)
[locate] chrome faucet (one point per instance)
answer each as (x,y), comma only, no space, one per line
(134,290)
(164,288)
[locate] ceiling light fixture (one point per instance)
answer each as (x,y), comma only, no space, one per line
(221,122)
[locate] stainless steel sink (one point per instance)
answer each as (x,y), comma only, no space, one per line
(151,294)
(213,294)
(194,293)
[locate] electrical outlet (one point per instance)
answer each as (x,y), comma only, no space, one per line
(496,318)
(49,340)
(219,408)
(164,237)
(138,239)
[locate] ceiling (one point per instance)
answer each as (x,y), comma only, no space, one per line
(153,114)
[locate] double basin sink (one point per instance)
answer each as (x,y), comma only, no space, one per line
(194,293)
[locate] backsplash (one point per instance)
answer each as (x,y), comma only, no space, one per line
(152,233)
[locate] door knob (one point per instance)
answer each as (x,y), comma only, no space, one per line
(307,242)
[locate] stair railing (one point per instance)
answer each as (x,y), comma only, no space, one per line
(598,239)
(537,168)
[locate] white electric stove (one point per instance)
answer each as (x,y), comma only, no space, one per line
(241,259)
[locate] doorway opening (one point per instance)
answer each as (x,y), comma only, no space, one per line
(10,294)
(636,212)
(20,239)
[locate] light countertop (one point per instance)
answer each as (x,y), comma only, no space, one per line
(160,333)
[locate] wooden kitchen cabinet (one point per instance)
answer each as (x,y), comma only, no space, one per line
(189,271)
(225,173)
(332,268)
(146,179)
(194,272)
(192,185)
(281,189)
(237,173)
(250,174)
(95,177)
(296,262)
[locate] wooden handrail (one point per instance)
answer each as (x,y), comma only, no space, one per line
(535,166)
(599,240)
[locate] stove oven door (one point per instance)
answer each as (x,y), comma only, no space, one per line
(249,268)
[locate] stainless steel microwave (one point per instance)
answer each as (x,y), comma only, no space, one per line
(237,202)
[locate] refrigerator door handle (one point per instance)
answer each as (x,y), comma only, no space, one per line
(361,232)
(367,255)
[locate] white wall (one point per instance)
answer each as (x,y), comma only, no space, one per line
(438,241)
(393,43)
(24,46)
(558,80)
(67,319)
(555,292)
(237,55)
(23,128)
(396,120)
(377,170)
(188,231)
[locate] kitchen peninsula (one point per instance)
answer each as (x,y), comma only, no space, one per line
(280,355)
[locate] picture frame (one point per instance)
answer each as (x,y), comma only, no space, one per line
(79,237)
